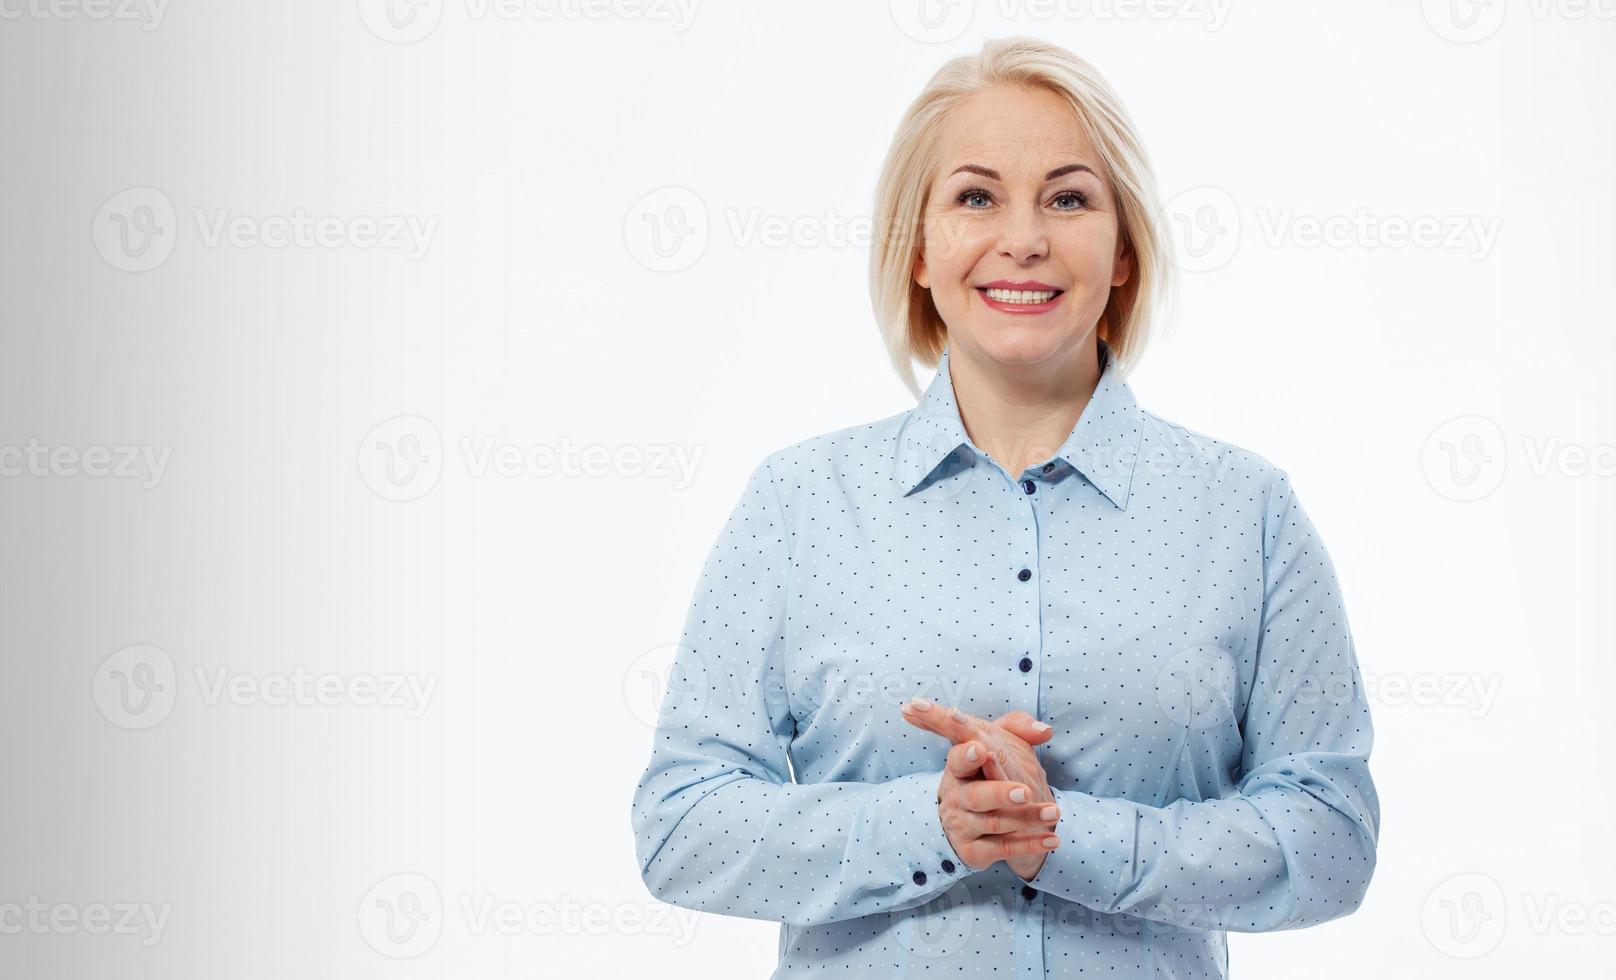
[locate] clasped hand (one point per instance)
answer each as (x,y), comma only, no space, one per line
(994,800)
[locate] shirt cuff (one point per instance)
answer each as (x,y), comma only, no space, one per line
(1095,858)
(925,859)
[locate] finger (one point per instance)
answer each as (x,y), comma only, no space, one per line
(1018,845)
(965,760)
(951,723)
(1026,819)
(1024,726)
(982,795)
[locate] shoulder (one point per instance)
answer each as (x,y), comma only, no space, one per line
(1229,470)
(855,452)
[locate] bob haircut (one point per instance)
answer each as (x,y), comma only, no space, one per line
(910,325)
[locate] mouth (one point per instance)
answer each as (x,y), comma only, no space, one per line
(1020,300)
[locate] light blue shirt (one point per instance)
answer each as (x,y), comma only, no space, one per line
(1156,595)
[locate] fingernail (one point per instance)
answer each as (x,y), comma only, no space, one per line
(1047,813)
(1018,795)
(1041,726)
(1051,841)
(920,704)
(971,753)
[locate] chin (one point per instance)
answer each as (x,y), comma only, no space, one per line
(1013,344)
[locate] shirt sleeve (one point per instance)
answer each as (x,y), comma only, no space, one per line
(720,825)
(1295,845)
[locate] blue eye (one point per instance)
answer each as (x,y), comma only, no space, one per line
(970,193)
(1082,200)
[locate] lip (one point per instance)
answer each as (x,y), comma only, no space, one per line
(1018,284)
(1022,309)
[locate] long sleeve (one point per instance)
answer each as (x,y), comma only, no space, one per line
(1295,845)
(719,824)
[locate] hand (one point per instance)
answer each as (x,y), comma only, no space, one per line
(988,820)
(1009,740)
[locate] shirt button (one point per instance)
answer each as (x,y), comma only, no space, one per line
(1026,664)
(1028,486)
(948,866)
(1029,892)
(920,877)
(1024,574)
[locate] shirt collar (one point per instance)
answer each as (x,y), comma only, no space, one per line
(1103,445)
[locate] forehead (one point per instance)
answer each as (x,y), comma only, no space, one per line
(1013,129)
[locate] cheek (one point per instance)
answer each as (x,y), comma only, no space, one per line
(951,249)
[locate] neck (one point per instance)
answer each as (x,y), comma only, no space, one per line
(1020,414)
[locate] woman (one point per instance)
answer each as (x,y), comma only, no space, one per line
(1025,681)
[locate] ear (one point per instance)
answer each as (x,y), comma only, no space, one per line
(922,278)
(1122,266)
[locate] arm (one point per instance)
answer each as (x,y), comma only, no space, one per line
(1296,845)
(719,824)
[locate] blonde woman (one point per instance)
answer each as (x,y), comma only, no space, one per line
(1024,681)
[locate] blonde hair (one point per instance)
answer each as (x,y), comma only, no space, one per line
(909,322)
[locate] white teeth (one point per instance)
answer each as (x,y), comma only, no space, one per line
(1025,296)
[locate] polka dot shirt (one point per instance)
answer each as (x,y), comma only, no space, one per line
(1156,595)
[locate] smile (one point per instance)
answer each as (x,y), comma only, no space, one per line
(1020,300)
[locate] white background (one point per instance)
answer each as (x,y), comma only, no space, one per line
(257,537)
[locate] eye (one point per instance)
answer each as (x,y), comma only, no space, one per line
(1079,197)
(970,193)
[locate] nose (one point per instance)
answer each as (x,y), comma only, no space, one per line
(1023,237)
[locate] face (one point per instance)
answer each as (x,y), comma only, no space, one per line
(1021,240)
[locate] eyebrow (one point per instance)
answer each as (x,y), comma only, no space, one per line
(992,174)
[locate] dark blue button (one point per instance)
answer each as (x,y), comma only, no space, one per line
(1048,467)
(948,866)
(920,877)
(1026,664)
(1028,486)
(1024,574)
(1029,892)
